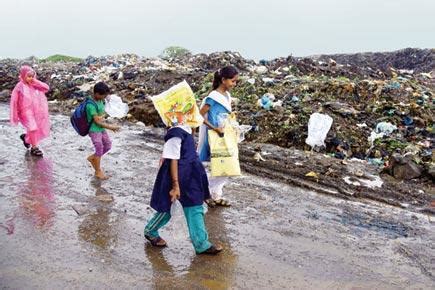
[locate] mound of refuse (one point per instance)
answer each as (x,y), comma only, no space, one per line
(381,104)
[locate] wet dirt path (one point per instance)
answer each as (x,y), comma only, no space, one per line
(61,228)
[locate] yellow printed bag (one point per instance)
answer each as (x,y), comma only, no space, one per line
(224,152)
(177,105)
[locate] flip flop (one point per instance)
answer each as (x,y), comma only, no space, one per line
(210,202)
(222,202)
(23,138)
(155,242)
(36,152)
(213,250)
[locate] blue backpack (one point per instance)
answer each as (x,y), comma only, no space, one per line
(79,119)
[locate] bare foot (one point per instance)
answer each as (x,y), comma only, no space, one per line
(100,175)
(91,160)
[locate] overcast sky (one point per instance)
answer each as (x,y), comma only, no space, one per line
(257,29)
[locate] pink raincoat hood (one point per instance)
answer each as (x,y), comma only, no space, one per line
(25,69)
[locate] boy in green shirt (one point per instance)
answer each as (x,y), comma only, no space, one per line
(97,131)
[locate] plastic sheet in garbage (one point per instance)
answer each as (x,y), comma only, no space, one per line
(115,108)
(318,127)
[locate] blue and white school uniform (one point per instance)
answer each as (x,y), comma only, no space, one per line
(192,179)
(219,104)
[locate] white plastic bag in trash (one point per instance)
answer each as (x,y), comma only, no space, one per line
(115,107)
(318,128)
(178,225)
(385,127)
(373,136)
(242,130)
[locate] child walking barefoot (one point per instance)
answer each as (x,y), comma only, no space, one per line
(97,132)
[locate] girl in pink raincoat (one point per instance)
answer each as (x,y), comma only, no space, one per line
(30,108)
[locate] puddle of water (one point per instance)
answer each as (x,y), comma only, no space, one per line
(36,195)
(388,228)
(99,228)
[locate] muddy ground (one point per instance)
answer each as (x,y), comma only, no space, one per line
(62,228)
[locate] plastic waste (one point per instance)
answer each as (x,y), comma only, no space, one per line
(115,107)
(373,136)
(376,161)
(266,101)
(408,121)
(242,130)
(385,127)
(258,157)
(277,104)
(271,96)
(268,81)
(318,127)
(251,81)
(295,99)
(86,87)
(261,70)
(393,86)
(263,62)
(312,174)
(178,226)
(426,75)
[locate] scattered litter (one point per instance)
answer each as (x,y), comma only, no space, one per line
(318,128)
(115,107)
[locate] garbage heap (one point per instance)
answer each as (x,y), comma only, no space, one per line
(381,104)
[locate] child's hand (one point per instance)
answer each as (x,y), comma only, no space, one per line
(115,128)
(220,131)
(174,193)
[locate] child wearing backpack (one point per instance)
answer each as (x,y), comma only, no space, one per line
(97,130)
(29,107)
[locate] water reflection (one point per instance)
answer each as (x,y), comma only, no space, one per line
(98,226)
(37,197)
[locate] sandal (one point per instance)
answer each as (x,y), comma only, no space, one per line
(156,242)
(210,202)
(213,250)
(222,202)
(36,152)
(23,138)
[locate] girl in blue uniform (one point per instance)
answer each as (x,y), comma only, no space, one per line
(216,104)
(181,176)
